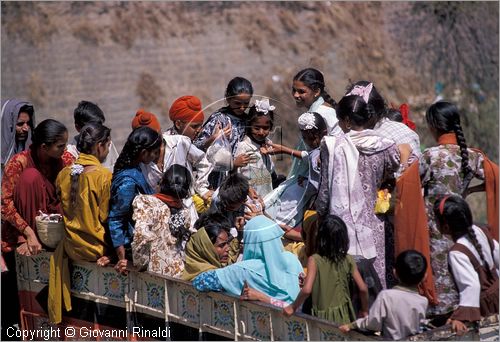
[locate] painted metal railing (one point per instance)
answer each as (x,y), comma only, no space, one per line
(173,300)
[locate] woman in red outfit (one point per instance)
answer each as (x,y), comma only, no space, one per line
(28,186)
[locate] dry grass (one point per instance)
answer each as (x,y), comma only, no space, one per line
(36,89)
(149,92)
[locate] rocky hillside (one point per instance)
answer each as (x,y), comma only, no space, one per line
(126,55)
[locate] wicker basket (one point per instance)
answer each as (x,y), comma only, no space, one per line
(49,230)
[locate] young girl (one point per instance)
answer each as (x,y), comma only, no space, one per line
(353,166)
(84,190)
(288,202)
(142,146)
(162,225)
(260,168)
(230,121)
(473,260)
(443,169)
(309,92)
(328,276)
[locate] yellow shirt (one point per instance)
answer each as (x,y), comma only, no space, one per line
(84,227)
(85,220)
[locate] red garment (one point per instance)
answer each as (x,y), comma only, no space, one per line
(169,200)
(404,109)
(491,188)
(186,108)
(25,190)
(411,229)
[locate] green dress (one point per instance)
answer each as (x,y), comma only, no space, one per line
(331,298)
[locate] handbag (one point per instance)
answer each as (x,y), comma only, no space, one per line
(50,229)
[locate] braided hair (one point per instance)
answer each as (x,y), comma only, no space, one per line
(90,135)
(314,79)
(360,112)
(454,211)
(444,117)
(141,138)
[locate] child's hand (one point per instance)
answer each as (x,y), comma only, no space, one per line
(227,130)
(239,222)
(121,266)
(208,196)
(345,328)
(288,311)
(271,149)
(457,326)
(302,278)
(241,160)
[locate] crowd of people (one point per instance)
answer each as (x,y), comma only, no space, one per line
(366,230)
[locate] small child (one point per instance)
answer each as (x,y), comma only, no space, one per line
(328,276)
(289,201)
(259,170)
(237,200)
(473,261)
(397,312)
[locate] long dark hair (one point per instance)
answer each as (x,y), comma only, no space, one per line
(361,113)
(141,138)
(333,239)
(454,211)
(48,132)
(214,223)
(176,181)
(444,117)
(90,135)
(238,85)
(314,79)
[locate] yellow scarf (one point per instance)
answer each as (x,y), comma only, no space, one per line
(88,246)
(200,255)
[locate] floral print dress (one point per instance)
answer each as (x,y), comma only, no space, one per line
(440,173)
(160,236)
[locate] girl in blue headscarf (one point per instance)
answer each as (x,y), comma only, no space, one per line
(266,266)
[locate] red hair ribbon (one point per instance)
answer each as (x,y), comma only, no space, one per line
(441,204)
(404,109)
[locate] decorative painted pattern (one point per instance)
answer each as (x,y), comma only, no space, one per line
(190,305)
(260,325)
(21,267)
(41,265)
(114,285)
(80,279)
(331,336)
(223,315)
(155,295)
(296,331)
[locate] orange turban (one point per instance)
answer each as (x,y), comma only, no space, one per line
(143,118)
(186,108)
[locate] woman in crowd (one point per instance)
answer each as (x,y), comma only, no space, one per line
(353,166)
(162,225)
(266,267)
(230,121)
(142,146)
(209,247)
(444,169)
(84,190)
(18,122)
